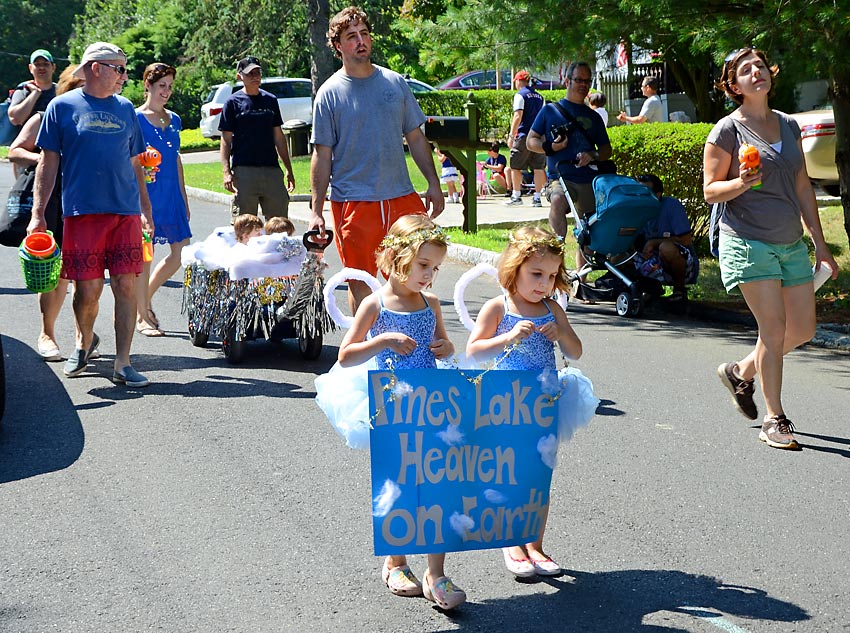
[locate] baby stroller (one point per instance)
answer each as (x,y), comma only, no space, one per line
(237,309)
(607,238)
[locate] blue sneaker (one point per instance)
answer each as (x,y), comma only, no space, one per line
(76,363)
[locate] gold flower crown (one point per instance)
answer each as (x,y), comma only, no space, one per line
(435,234)
(536,242)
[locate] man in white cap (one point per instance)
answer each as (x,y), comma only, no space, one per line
(33,96)
(251,141)
(105,204)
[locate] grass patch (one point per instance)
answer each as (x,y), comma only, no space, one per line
(208,175)
(4,151)
(192,141)
(833,299)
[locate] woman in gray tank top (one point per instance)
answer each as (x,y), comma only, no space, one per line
(762,253)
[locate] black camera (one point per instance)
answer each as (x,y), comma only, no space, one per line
(562,131)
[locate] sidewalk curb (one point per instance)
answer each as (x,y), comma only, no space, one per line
(828,335)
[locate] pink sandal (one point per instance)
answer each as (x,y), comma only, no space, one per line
(400,580)
(445,594)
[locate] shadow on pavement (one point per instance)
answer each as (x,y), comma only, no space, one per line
(41,431)
(628,601)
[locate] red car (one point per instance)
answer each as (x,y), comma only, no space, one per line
(486,80)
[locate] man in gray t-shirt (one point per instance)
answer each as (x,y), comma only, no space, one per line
(359,117)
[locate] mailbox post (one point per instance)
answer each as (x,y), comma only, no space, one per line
(457,137)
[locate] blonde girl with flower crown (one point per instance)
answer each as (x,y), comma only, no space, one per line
(518,331)
(400,326)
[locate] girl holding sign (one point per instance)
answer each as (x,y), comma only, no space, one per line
(399,326)
(518,331)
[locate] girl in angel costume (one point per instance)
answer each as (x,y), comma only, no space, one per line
(398,326)
(518,330)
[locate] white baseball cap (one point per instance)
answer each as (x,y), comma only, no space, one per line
(99,51)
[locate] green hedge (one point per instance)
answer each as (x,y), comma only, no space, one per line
(671,151)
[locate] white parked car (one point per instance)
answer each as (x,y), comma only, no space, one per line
(817,127)
(294,97)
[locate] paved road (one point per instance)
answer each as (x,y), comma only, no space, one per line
(218,499)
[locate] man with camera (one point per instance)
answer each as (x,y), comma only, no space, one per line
(574,139)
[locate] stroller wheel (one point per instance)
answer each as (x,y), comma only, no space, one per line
(627,305)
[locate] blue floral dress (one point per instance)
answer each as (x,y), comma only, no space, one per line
(343,394)
(577,404)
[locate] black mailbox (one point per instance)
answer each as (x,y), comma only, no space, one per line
(448,130)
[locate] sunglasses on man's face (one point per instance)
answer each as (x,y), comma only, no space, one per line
(118,68)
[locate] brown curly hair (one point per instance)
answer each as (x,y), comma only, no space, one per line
(341,21)
(730,68)
(525,242)
(156,71)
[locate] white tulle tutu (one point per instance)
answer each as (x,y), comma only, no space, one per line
(577,404)
(343,396)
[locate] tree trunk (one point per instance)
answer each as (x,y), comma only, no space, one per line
(696,79)
(321,58)
(841,111)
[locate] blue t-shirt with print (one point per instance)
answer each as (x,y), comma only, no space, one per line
(96,139)
(577,142)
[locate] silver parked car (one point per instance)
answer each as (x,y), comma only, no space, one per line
(817,128)
(294,98)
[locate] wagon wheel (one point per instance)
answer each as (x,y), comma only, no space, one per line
(310,346)
(2,381)
(234,351)
(198,339)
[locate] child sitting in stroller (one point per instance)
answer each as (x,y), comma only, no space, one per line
(667,253)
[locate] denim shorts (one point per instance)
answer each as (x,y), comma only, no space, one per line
(743,261)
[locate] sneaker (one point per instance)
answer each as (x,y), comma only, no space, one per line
(776,431)
(130,377)
(535,202)
(514,202)
(741,390)
(76,363)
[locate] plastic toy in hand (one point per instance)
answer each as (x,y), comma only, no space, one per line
(748,156)
(150,160)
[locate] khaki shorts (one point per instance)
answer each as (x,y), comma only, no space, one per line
(523,158)
(260,187)
(580,192)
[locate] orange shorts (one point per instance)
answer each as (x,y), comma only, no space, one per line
(359,227)
(93,243)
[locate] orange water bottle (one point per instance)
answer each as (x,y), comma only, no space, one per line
(749,158)
(147,247)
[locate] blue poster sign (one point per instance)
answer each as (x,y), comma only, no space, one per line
(461,460)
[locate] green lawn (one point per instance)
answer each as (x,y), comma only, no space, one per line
(208,175)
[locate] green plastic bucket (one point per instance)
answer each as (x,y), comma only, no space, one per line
(41,274)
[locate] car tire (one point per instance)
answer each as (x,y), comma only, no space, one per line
(833,190)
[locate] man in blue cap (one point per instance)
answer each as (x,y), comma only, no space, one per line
(33,96)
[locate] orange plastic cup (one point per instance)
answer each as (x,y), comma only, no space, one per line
(40,245)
